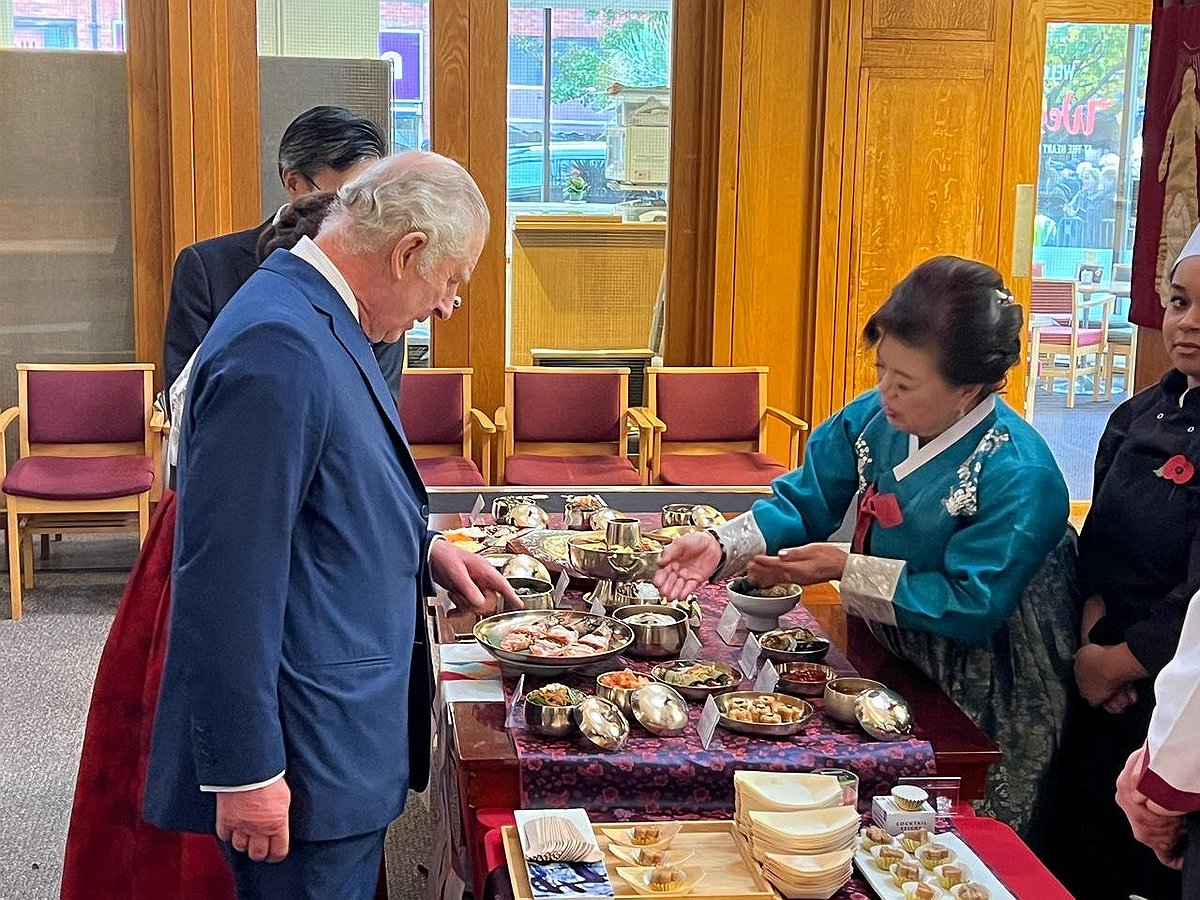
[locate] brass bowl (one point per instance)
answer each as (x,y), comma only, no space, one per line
(655,641)
(660,709)
(552,721)
(490,632)
(542,596)
(677,514)
(591,557)
(813,649)
(804,688)
(604,726)
(578,511)
(841,695)
(884,714)
(618,696)
(763,729)
(523,566)
(762,613)
(698,693)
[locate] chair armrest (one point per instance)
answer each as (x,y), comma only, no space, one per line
(644,419)
(501,419)
(793,422)
(159,422)
(1096,300)
(7,417)
(485,424)
(646,432)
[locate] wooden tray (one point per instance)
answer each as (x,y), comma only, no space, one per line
(730,872)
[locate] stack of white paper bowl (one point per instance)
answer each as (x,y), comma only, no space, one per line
(782,792)
(805,854)
(809,877)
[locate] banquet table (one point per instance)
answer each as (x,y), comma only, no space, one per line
(486,772)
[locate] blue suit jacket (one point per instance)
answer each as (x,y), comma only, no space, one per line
(300,544)
(207,275)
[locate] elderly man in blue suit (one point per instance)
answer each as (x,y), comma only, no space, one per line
(302,547)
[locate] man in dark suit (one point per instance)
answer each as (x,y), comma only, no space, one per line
(319,151)
(302,547)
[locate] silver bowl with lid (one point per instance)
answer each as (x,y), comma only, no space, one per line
(602,723)
(884,714)
(841,696)
(659,709)
(658,631)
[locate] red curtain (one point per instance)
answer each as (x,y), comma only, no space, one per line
(1168,205)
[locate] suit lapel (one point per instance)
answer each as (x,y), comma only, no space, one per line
(350,335)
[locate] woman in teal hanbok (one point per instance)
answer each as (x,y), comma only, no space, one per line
(961,558)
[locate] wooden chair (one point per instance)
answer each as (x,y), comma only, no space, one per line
(438,419)
(89,456)
(569,427)
(710,426)
(1122,334)
(1084,346)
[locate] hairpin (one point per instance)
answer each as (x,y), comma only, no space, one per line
(1003,297)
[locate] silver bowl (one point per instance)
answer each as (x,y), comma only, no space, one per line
(528,515)
(841,695)
(600,518)
(884,714)
(655,641)
(660,709)
(521,565)
(491,631)
(766,729)
(604,726)
(677,514)
(577,511)
(698,693)
(761,613)
(502,506)
(552,721)
(540,593)
(619,696)
(810,647)
(591,557)
(804,688)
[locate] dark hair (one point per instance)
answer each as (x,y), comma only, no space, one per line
(302,218)
(960,309)
(328,137)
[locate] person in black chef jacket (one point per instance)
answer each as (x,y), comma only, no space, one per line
(1139,565)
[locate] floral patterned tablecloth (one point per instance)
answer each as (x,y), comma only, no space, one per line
(675,776)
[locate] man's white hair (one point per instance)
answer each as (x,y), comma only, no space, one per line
(410,192)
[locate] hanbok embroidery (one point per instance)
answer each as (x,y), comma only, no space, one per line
(863,453)
(964,497)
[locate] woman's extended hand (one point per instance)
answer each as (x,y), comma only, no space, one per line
(686,564)
(810,564)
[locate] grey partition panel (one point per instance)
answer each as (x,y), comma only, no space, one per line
(66,292)
(289,85)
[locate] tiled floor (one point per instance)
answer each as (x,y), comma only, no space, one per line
(1073,434)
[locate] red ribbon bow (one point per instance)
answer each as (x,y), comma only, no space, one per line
(874,507)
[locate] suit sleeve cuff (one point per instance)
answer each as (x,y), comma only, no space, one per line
(868,587)
(427,584)
(741,540)
(234,789)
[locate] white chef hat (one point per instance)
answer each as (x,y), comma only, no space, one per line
(1191,248)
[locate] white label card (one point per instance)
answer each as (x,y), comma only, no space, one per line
(516,709)
(560,586)
(748,661)
(476,509)
(768,678)
(691,646)
(597,607)
(728,624)
(707,726)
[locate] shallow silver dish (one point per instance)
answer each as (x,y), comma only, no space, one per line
(490,632)
(697,693)
(804,688)
(659,709)
(604,726)
(841,694)
(884,714)
(661,641)
(814,650)
(783,729)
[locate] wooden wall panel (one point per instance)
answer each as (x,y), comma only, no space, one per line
(922,20)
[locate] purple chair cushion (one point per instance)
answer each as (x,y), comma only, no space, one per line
(532,469)
(708,406)
(431,408)
(719,468)
(86,407)
(566,407)
(79,478)
(448,471)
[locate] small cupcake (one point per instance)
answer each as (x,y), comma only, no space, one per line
(887,856)
(971,891)
(650,856)
(874,836)
(933,855)
(950,875)
(908,797)
(646,834)
(918,890)
(666,879)
(911,840)
(903,873)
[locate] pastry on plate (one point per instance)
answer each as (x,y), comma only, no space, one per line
(646,834)
(905,872)
(886,857)
(667,879)
(874,836)
(933,855)
(911,840)
(949,875)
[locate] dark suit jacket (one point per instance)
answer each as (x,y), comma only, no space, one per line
(207,275)
(299,571)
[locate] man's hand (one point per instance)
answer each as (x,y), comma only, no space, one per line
(1161,833)
(810,564)
(687,563)
(1101,673)
(256,822)
(469,579)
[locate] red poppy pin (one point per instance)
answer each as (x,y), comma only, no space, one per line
(1176,469)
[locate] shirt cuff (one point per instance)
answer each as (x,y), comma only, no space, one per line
(868,587)
(741,540)
(235,789)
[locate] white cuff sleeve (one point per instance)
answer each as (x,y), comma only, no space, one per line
(234,789)
(869,587)
(742,541)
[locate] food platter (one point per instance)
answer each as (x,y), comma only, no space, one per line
(727,703)
(583,639)
(682,674)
